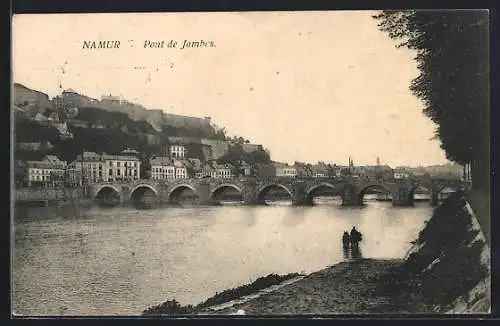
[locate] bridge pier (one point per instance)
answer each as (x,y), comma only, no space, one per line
(204,194)
(403,197)
(351,197)
(434,200)
(301,197)
(249,193)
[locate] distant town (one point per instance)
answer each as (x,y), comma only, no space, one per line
(74,140)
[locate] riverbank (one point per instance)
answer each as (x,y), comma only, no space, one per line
(172,307)
(447,271)
(347,288)
(351,287)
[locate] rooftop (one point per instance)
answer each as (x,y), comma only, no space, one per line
(129,151)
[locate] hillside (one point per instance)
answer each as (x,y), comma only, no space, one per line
(103,131)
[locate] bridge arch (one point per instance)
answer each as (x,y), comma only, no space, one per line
(108,195)
(310,191)
(441,188)
(438,186)
(364,188)
(221,186)
(139,196)
(261,192)
(176,190)
(143,185)
(105,187)
(424,187)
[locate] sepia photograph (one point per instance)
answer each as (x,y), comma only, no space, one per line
(250,163)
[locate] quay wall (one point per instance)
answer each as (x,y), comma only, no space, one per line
(49,194)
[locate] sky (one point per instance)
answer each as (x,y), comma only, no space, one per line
(309,86)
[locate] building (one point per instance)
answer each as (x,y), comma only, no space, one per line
(207,171)
(122,167)
(130,152)
(246,169)
(400,173)
(223,171)
(180,169)
(319,171)
(110,99)
(341,171)
(90,167)
(277,170)
(165,168)
(50,171)
(303,169)
(162,168)
(285,170)
(177,151)
(70,98)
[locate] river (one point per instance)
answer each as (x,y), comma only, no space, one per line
(120,261)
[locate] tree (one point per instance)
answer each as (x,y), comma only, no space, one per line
(145,168)
(452,55)
(236,154)
(258,157)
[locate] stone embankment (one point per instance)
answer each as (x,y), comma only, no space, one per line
(48,196)
(446,272)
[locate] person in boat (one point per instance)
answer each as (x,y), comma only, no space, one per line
(346,239)
(355,237)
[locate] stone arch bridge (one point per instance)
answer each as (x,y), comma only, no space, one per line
(253,190)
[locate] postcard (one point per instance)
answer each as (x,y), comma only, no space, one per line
(251,163)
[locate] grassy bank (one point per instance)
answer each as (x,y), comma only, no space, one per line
(446,264)
(173,307)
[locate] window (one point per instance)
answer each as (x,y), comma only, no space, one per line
(110,172)
(118,164)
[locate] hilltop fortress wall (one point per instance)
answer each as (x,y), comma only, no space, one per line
(137,112)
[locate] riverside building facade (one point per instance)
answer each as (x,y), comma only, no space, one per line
(50,171)
(91,167)
(164,168)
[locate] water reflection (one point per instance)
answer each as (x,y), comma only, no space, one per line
(356,252)
(346,252)
(294,218)
(249,218)
(120,260)
(353,252)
